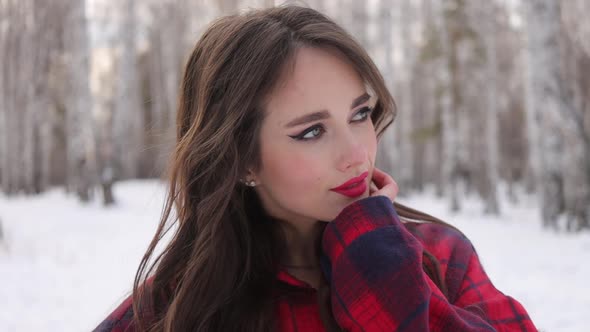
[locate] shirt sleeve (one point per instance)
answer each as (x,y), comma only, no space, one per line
(119,320)
(374,265)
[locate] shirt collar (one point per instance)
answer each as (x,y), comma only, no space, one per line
(286,277)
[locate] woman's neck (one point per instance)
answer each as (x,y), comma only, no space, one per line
(302,245)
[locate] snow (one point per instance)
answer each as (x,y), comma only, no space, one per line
(64,266)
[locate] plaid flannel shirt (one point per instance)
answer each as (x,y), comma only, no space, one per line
(374,265)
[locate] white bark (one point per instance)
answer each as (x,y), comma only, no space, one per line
(486,14)
(79,127)
(449,132)
(575,17)
(172,61)
(128,121)
(161,114)
(359,21)
(27,74)
(406,127)
(43,43)
(103,74)
(10,65)
(576,98)
(532,122)
(4,22)
(385,154)
(543,38)
(429,62)
(167,56)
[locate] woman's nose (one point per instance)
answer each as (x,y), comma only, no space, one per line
(353,153)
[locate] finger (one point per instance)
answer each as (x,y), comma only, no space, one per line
(391,190)
(381,178)
(372,188)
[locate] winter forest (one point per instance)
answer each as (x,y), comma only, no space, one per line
(493,101)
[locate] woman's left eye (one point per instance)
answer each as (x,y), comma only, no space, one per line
(362,114)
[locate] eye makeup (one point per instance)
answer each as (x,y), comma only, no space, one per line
(317,130)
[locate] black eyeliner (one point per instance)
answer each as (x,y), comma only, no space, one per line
(366,110)
(305,132)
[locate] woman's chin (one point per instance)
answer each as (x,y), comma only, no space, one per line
(342,205)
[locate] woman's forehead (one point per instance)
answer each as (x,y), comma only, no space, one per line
(316,79)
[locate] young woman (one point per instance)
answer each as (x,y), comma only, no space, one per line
(282,220)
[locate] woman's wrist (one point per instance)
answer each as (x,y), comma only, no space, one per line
(358,218)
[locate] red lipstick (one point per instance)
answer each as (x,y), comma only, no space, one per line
(353,187)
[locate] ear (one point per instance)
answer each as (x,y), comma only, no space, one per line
(250,178)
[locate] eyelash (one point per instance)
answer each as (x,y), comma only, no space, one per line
(366,111)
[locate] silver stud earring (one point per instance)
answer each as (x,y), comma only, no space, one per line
(251,183)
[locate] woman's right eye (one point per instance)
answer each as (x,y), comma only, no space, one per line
(310,133)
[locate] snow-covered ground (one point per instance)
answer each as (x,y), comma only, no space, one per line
(65,266)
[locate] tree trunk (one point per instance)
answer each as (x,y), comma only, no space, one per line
(533,169)
(543,36)
(359,22)
(9,66)
(128,123)
(79,126)
(3,96)
(488,35)
(385,28)
(406,20)
(104,96)
(447,106)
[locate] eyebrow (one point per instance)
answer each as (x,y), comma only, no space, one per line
(324,114)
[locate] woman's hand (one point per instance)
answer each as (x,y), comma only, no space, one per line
(383,184)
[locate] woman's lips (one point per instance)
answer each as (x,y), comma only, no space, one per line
(353,187)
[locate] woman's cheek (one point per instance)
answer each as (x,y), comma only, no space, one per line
(303,170)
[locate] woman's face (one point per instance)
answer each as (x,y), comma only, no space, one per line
(317,134)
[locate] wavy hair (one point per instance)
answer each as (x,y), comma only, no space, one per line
(218,271)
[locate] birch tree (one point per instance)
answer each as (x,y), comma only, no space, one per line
(510,104)
(543,38)
(575,88)
(29,42)
(9,68)
(447,106)
(533,169)
(406,21)
(168,49)
(385,155)
(431,58)
(18,54)
(486,14)
(25,95)
(4,26)
(359,21)
(44,42)
(80,156)
(103,91)
(574,14)
(128,121)
(48,49)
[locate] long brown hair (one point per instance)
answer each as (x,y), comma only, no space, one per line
(218,271)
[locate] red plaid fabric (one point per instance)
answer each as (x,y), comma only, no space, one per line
(378,283)
(374,264)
